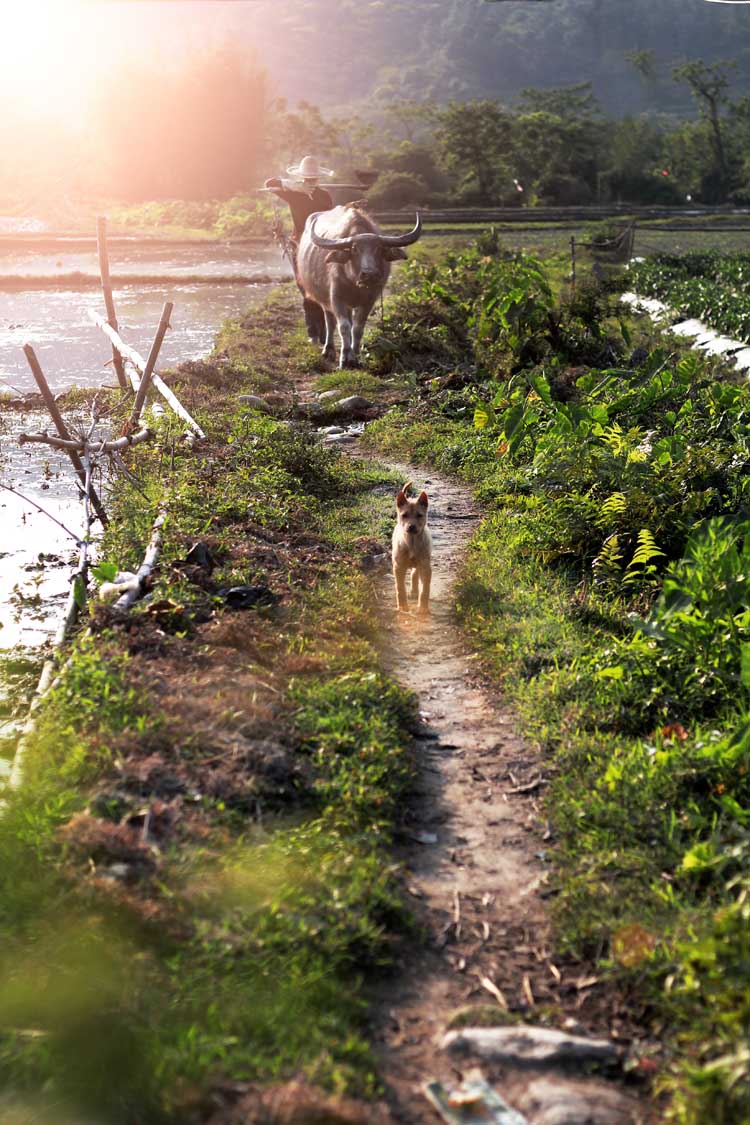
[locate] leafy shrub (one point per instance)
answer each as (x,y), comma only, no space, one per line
(398,189)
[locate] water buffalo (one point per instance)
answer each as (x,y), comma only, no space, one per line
(343,263)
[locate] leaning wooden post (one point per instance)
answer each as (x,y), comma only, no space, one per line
(148,371)
(61,428)
(101,242)
(139,363)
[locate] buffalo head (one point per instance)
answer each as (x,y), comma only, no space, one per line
(367,253)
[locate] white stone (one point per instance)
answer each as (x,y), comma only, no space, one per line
(527,1045)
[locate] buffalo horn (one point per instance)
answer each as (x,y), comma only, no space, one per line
(403,239)
(327,243)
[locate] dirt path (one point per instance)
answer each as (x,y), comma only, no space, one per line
(473,850)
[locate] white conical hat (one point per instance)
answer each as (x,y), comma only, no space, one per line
(309,169)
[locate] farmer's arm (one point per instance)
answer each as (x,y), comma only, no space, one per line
(278,189)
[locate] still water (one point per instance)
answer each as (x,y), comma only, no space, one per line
(72,351)
(36,555)
(204,259)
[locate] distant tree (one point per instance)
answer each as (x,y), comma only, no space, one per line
(474,138)
(644,62)
(570,103)
(558,143)
(739,115)
(355,141)
(689,158)
(709,84)
(409,118)
(398,189)
(415,160)
(294,133)
(637,163)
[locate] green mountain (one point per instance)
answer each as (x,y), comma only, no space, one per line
(359,52)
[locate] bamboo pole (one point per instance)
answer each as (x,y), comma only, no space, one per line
(139,363)
(61,428)
(135,588)
(109,301)
(80,446)
(148,370)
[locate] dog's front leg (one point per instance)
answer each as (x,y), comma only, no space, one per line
(399,573)
(415,584)
(424,594)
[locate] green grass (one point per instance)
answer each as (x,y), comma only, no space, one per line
(234,938)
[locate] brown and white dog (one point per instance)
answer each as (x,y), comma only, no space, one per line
(412,548)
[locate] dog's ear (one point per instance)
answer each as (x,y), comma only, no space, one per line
(422,498)
(402,498)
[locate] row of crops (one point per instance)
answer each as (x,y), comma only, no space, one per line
(714,288)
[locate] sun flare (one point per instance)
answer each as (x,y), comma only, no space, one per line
(47,56)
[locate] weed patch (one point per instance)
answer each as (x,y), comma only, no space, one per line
(196,881)
(607,588)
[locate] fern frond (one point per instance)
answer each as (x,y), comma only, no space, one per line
(646,551)
(614,505)
(607,565)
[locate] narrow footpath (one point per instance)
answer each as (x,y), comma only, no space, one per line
(473,850)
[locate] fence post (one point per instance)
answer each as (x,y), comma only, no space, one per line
(109,302)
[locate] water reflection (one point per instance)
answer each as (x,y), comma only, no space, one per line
(72,351)
(36,560)
(213,260)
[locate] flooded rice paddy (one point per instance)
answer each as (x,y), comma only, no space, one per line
(58,258)
(36,555)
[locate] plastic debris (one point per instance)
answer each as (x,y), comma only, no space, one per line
(474,1102)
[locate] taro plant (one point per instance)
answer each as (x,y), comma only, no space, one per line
(700,624)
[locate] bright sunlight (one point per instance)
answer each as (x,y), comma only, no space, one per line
(49,58)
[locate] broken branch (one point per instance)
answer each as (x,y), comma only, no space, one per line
(139,363)
(62,429)
(79,446)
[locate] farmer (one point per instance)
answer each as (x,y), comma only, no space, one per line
(305,197)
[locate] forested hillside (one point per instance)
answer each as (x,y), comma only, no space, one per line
(335,52)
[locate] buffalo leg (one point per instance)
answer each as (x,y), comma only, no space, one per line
(314,321)
(344,321)
(329,349)
(361,314)
(314,318)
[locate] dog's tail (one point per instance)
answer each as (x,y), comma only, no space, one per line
(406,488)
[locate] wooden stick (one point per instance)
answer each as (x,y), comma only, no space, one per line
(135,590)
(148,370)
(61,428)
(139,364)
(80,446)
(39,508)
(109,301)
